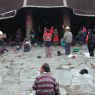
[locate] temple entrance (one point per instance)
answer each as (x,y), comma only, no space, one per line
(43,17)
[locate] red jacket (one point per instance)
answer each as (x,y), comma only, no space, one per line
(51,30)
(56,38)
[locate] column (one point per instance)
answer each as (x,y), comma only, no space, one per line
(28,25)
(66,21)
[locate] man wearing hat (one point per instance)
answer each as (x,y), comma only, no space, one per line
(67,40)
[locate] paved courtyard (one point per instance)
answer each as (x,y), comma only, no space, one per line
(18,71)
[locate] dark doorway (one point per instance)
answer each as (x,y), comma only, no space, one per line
(11,25)
(46,17)
(77,22)
(42,17)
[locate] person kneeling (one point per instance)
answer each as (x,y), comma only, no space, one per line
(27,46)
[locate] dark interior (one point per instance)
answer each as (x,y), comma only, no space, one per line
(78,22)
(11,25)
(43,17)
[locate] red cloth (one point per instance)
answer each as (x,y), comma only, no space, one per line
(56,38)
(51,30)
(87,39)
(47,36)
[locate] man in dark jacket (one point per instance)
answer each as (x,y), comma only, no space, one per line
(45,84)
(90,39)
(68,40)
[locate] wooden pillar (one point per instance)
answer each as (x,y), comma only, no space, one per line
(66,21)
(28,25)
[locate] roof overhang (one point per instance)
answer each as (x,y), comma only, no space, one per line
(8,8)
(7,15)
(84,13)
(80,7)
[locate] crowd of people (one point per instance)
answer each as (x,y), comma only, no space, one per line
(87,36)
(51,37)
(46,84)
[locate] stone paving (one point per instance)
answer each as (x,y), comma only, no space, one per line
(18,71)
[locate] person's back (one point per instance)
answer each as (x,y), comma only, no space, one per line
(45,84)
(67,40)
(91,40)
(68,37)
(27,45)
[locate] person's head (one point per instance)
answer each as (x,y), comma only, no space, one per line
(45,68)
(67,28)
(47,30)
(1,33)
(26,39)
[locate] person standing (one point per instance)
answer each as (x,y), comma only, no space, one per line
(32,38)
(67,40)
(90,40)
(18,37)
(55,38)
(47,41)
(45,84)
(84,30)
(80,37)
